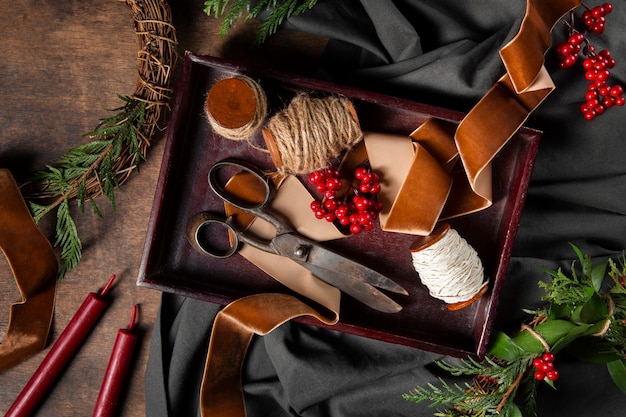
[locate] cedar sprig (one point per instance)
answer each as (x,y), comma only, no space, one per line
(491,392)
(71,176)
(231,11)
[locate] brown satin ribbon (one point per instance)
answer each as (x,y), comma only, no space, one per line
(34,266)
(221,391)
(426,186)
(477,139)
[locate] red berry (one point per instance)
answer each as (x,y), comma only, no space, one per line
(564,48)
(604,90)
(330,194)
(552,375)
(548,357)
(597,12)
(597,28)
(576,38)
(588,63)
(619,101)
(360,202)
(355,228)
(591,95)
(546,367)
(375,188)
(590,74)
(315,205)
(344,221)
(364,187)
(359,172)
(608,8)
(608,102)
(589,50)
(589,115)
(603,75)
(333,184)
(539,375)
(616,91)
(537,362)
(330,205)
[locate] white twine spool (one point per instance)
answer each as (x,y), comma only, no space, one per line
(449,267)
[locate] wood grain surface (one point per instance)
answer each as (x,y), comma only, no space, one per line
(63,62)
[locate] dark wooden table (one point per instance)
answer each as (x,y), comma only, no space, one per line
(62,65)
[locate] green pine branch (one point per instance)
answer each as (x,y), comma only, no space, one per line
(232,11)
(87,171)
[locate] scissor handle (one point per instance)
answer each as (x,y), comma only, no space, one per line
(203,220)
(240,203)
(260,209)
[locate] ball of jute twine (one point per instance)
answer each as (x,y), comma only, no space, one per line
(312,131)
(247,130)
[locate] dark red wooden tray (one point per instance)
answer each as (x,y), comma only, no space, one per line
(170,264)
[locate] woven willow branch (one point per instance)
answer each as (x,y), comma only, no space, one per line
(157,57)
(119,143)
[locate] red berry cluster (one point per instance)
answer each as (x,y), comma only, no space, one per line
(600,95)
(569,50)
(593,19)
(544,367)
(357,208)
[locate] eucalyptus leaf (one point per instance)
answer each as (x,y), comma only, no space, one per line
(551,331)
(503,347)
(617,370)
(594,310)
(575,333)
(598,273)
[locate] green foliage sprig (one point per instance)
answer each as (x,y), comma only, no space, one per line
(580,316)
(74,175)
(119,143)
(231,11)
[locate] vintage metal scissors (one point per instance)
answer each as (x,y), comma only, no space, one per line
(347,275)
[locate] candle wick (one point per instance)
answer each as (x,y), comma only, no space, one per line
(133,316)
(108,285)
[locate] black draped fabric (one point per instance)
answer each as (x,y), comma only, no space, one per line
(441,52)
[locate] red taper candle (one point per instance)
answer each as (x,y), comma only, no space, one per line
(61,352)
(119,363)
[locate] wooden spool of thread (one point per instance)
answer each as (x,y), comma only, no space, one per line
(449,267)
(310,132)
(236,107)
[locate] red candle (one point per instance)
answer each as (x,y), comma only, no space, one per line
(119,363)
(61,352)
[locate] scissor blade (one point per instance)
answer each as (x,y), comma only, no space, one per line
(347,275)
(361,291)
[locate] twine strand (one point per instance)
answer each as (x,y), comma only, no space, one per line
(450,268)
(537,336)
(312,131)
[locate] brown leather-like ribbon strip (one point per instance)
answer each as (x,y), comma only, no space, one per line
(35,267)
(428,189)
(221,391)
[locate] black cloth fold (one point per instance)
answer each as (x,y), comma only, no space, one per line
(440,52)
